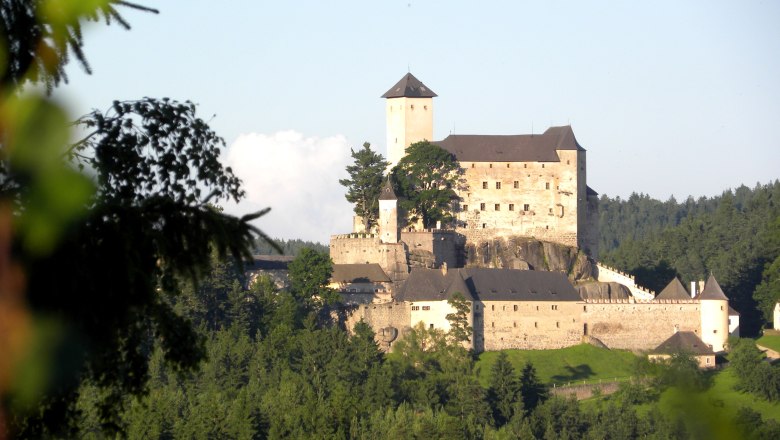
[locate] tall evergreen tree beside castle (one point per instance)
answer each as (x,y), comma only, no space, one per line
(425,180)
(365,183)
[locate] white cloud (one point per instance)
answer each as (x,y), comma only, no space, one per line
(298,177)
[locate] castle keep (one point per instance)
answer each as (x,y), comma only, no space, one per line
(532,186)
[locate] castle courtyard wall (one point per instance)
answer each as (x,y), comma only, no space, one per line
(527,325)
(639,325)
(382,318)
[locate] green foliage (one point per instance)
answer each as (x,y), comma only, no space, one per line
(309,277)
(460,330)
(753,373)
(365,183)
(425,181)
(504,391)
(533,390)
(40,36)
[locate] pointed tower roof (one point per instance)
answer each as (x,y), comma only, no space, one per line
(387,192)
(674,290)
(409,87)
(712,290)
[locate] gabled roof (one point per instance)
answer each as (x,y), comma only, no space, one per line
(674,290)
(683,342)
(733,312)
(409,87)
(590,191)
(488,285)
(434,285)
(511,148)
(359,273)
(387,192)
(712,290)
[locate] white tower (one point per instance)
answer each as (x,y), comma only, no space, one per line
(409,113)
(388,214)
(714,315)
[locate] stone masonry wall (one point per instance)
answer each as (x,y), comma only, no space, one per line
(382,318)
(529,325)
(528,198)
(639,325)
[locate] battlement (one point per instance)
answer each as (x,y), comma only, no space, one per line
(353,235)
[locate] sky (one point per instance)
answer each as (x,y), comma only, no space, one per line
(669,98)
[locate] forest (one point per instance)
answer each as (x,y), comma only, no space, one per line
(278,368)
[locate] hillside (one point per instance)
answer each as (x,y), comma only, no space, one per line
(572,364)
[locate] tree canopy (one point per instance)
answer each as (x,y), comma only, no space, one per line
(365,183)
(97,238)
(425,181)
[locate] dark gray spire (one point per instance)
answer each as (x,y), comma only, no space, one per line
(387,192)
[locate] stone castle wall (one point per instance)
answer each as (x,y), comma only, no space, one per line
(442,245)
(633,325)
(528,325)
(545,325)
(367,248)
(382,318)
(535,199)
(608,274)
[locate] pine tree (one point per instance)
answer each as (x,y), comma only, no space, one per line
(532,389)
(504,390)
(365,183)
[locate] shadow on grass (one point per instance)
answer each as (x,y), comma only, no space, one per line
(579,372)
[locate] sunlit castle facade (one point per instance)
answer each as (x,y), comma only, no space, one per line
(531,185)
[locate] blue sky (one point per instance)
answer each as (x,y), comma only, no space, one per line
(669,98)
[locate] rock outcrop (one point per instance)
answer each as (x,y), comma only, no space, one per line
(597,290)
(530,254)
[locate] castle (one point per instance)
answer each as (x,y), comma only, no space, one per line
(519,185)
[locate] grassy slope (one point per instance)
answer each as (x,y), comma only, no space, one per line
(581,362)
(770,341)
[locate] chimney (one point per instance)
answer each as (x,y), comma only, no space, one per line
(444,268)
(693,289)
(701,285)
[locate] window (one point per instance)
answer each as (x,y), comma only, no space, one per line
(492,324)
(472,165)
(536,325)
(567,162)
(550,211)
(517,184)
(503,308)
(491,165)
(484,225)
(412,106)
(492,307)
(484,185)
(514,324)
(498,185)
(554,307)
(526,207)
(714,331)
(557,324)
(542,165)
(547,185)
(511,206)
(415,307)
(498,207)
(481,206)
(507,165)
(537,307)
(426,307)
(431,326)
(515,307)
(465,208)
(525,165)
(584,308)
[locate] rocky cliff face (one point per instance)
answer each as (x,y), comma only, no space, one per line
(530,254)
(597,290)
